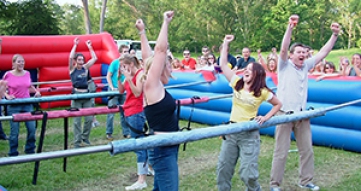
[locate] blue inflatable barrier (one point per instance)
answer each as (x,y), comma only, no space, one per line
(338,128)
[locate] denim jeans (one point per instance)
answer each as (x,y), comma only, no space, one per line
(164,161)
(2,133)
(79,134)
(117,100)
(14,130)
(137,122)
(246,146)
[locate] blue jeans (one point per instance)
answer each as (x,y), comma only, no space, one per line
(116,100)
(164,161)
(14,130)
(2,133)
(137,122)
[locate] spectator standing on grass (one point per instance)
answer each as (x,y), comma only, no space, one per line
(160,110)
(80,75)
(112,79)
(19,86)
(292,91)
(133,110)
(248,94)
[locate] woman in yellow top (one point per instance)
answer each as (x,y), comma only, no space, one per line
(248,94)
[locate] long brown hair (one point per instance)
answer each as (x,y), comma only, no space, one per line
(259,80)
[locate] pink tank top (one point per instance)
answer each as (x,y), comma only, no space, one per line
(132,104)
(18,86)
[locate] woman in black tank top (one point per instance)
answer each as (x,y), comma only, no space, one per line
(160,106)
(79,74)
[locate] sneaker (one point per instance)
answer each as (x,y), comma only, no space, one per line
(275,189)
(87,142)
(4,138)
(109,137)
(150,172)
(95,124)
(310,186)
(126,136)
(137,186)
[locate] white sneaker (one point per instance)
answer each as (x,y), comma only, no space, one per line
(150,172)
(137,186)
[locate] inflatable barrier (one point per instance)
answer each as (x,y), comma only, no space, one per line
(49,55)
(338,129)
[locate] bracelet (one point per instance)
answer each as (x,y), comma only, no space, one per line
(334,34)
(141,32)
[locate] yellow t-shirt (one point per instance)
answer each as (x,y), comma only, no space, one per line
(244,104)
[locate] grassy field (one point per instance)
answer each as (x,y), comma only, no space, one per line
(335,169)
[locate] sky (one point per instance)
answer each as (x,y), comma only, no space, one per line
(60,2)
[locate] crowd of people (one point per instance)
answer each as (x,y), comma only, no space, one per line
(146,101)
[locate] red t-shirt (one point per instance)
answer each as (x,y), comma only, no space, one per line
(132,104)
(191,63)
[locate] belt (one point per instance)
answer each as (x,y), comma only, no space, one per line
(81,90)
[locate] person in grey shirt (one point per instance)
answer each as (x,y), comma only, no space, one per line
(292,92)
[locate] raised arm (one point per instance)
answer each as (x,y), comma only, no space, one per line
(72,54)
(160,52)
(335,27)
(223,61)
(93,55)
(144,43)
(293,20)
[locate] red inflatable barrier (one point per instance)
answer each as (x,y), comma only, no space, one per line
(50,55)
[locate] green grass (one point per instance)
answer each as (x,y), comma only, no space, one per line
(335,169)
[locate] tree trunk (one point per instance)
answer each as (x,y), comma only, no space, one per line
(86,17)
(102,15)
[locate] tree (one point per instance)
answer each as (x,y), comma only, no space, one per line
(87,17)
(102,15)
(34,17)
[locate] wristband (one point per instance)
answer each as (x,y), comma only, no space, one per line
(334,34)
(141,32)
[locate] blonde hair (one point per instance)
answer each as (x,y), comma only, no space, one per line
(147,65)
(16,56)
(128,58)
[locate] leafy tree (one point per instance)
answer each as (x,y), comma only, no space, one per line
(32,17)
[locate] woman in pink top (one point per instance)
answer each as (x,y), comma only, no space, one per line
(133,110)
(19,86)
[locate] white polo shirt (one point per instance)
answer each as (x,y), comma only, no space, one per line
(293,84)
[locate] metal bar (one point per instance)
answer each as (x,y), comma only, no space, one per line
(63,81)
(59,98)
(127,145)
(66,125)
(65,88)
(54,154)
(40,147)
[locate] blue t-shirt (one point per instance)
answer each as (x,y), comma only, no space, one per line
(113,69)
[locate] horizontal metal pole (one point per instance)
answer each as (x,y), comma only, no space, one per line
(63,81)
(65,88)
(59,98)
(127,145)
(54,154)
